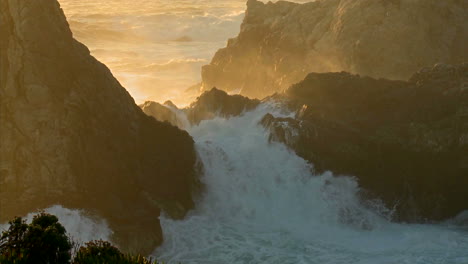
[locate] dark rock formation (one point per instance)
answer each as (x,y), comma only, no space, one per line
(162,112)
(70,134)
(211,104)
(406,142)
(218,103)
(280,43)
(286,130)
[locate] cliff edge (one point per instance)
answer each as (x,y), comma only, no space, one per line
(70,134)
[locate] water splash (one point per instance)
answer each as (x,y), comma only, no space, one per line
(80,226)
(263,204)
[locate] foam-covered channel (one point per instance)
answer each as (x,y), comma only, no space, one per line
(263,204)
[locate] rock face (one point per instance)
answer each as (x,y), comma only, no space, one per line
(280,43)
(406,142)
(70,134)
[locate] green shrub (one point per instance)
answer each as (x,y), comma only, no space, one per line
(103,252)
(97,252)
(42,241)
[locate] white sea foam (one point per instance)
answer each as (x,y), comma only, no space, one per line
(80,226)
(263,204)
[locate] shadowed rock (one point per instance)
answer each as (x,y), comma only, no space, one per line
(211,104)
(70,134)
(218,103)
(406,142)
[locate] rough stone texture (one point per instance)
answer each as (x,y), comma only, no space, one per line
(286,130)
(218,103)
(406,142)
(211,104)
(162,112)
(280,43)
(70,134)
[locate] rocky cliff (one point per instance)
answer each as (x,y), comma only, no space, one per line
(280,43)
(405,141)
(70,134)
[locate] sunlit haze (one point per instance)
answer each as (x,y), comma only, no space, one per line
(155,48)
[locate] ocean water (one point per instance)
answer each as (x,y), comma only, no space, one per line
(264,204)
(155,48)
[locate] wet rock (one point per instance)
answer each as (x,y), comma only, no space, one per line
(404,141)
(284,130)
(218,103)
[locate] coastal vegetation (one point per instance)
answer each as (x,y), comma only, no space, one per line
(45,240)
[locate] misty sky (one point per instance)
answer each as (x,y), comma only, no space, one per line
(155,48)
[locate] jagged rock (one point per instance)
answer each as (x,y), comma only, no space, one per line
(209,105)
(284,130)
(218,103)
(170,104)
(70,134)
(406,142)
(280,43)
(161,112)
